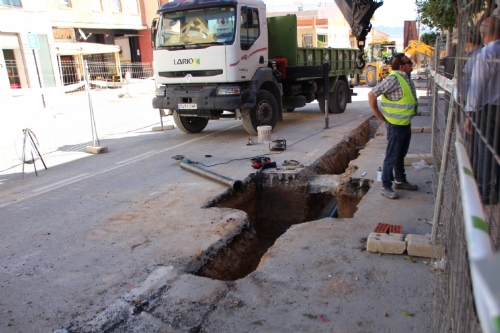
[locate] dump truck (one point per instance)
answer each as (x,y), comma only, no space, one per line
(226,59)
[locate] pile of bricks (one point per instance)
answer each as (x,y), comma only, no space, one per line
(389,238)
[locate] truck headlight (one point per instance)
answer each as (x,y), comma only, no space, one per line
(228,91)
(160,92)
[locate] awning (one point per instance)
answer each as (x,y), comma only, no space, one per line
(74,48)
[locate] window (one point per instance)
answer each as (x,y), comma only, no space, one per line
(14,3)
(134,7)
(64,3)
(197,28)
(96,5)
(250,28)
(307,40)
(117,6)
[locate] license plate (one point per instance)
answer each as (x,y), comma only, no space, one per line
(187,106)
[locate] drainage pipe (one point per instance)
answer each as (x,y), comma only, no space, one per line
(235,185)
(334,211)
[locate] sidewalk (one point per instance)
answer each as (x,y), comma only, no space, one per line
(64,125)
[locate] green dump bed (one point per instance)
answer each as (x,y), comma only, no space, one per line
(282,36)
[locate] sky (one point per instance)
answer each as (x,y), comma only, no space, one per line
(392,13)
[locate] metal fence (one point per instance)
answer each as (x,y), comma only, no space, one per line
(60,116)
(466,147)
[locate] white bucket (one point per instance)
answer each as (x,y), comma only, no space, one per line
(264,133)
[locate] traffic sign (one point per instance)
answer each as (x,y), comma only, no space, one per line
(33,41)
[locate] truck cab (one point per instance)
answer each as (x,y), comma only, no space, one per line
(211,59)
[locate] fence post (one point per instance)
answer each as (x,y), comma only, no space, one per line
(95,148)
(450,121)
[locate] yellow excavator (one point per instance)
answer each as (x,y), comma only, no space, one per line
(378,62)
(418,47)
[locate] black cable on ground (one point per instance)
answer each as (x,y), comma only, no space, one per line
(307,137)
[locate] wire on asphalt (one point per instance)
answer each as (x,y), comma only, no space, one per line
(307,137)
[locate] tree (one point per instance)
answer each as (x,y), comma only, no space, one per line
(441,14)
(429,38)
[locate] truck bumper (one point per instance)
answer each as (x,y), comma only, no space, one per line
(205,99)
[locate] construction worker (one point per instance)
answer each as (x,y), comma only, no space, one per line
(399,105)
(385,55)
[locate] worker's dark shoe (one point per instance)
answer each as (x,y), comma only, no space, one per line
(389,193)
(405,186)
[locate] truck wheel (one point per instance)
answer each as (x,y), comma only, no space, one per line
(321,102)
(371,76)
(265,113)
(339,103)
(190,124)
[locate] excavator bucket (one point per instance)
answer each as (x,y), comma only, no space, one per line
(358,14)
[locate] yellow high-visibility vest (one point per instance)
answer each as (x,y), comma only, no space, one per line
(399,112)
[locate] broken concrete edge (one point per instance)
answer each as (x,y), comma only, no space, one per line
(160,280)
(411,158)
(162,128)
(96,149)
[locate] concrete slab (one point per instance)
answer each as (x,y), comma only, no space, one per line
(96,149)
(385,243)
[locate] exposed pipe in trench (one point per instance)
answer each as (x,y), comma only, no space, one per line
(186,164)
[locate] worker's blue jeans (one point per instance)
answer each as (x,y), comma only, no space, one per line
(398,141)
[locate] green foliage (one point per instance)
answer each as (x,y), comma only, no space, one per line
(429,38)
(437,13)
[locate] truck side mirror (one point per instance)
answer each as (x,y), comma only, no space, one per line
(154,30)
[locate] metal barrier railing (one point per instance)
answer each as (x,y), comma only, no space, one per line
(467,214)
(62,122)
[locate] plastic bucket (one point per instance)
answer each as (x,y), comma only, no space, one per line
(264,134)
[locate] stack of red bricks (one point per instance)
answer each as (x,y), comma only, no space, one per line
(386,228)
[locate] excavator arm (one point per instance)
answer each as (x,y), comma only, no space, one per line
(358,14)
(418,47)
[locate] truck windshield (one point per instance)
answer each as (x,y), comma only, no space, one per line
(197,28)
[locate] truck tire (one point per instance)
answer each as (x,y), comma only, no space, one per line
(371,76)
(265,113)
(190,124)
(339,103)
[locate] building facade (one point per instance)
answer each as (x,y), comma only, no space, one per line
(39,37)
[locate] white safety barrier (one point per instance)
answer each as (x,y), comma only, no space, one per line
(484,263)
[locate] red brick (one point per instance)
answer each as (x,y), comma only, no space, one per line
(382,228)
(396,229)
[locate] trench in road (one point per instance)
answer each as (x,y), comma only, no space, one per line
(285,201)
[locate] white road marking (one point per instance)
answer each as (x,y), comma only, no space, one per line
(138,157)
(61,183)
(84,176)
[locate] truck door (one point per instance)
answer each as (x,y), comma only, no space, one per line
(253,42)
